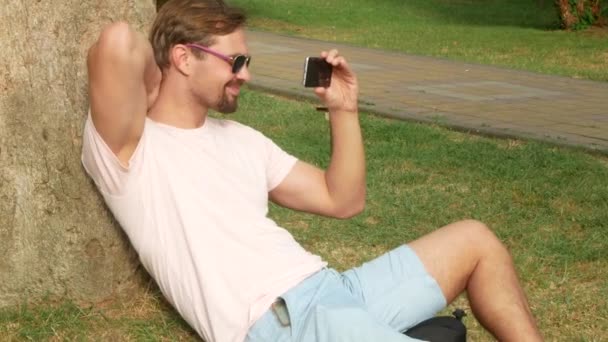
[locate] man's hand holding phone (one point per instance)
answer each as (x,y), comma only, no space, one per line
(334,81)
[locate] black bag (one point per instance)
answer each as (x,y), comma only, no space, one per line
(441,329)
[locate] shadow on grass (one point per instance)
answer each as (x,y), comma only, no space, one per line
(537,14)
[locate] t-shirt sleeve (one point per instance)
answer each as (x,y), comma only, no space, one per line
(279,164)
(102,165)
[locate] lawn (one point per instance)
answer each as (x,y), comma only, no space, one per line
(520,34)
(548,204)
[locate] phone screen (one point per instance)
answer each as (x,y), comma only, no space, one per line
(317,72)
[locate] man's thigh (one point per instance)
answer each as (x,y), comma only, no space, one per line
(396,289)
(321,309)
(337,316)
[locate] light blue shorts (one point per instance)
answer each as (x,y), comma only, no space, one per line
(374,302)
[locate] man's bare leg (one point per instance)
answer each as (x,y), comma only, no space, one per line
(466,255)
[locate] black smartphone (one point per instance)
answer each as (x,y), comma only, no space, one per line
(317,72)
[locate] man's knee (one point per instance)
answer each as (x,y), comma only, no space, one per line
(480,237)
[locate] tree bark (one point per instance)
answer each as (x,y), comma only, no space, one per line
(57,238)
(571,15)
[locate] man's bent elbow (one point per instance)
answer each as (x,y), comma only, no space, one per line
(351,210)
(117,40)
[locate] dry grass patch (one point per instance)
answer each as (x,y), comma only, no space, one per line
(141,306)
(460,137)
(145,316)
(565,206)
(10,331)
(596,31)
(343,257)
(571,304)
(510,144)
(475,332)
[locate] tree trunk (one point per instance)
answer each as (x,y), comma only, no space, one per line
(57,238)
(579,14)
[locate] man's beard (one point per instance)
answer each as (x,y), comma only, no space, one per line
(227,105)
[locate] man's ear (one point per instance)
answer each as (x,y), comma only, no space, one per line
(181,57)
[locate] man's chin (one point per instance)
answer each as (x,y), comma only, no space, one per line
(228,107)
(227,110)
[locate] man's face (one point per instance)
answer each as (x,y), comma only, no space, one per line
(214,84)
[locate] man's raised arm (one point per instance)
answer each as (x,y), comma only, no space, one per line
(123,83)
(340,190)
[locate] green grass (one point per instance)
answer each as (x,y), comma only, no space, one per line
(65,319)
(520,34)
(548,204)
(147,317)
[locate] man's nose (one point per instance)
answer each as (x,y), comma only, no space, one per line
(244,74)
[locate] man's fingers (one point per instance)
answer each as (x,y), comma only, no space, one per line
(320,91)
(332,57)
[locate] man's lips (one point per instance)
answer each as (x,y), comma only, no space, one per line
(233,89)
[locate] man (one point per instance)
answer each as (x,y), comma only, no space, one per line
(191,192)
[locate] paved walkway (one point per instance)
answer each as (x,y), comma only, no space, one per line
(477,98)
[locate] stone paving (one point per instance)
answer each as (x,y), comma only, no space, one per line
(469,97)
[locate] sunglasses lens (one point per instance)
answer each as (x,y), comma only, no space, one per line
(239,62)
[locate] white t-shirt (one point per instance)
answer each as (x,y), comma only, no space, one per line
(194,204)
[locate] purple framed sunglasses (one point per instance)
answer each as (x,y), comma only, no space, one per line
(237,62)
